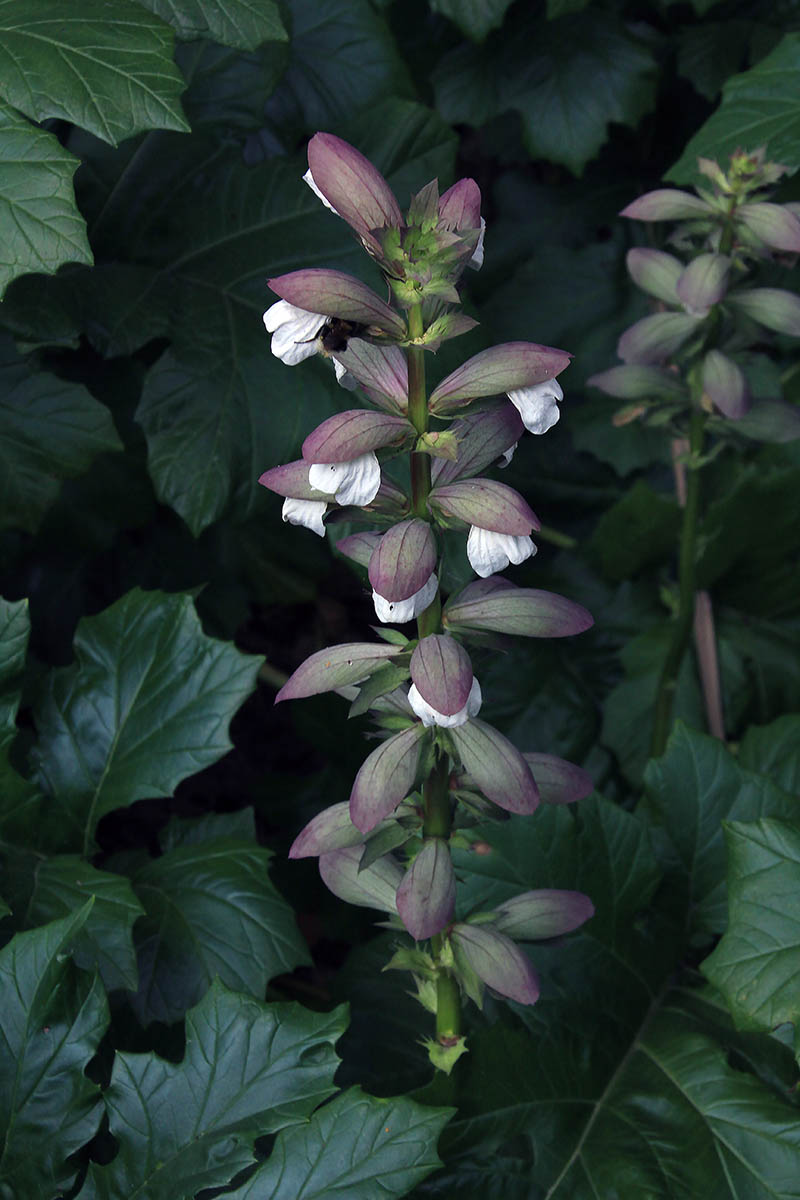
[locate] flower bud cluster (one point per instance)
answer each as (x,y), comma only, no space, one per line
(437,764)
(707,313)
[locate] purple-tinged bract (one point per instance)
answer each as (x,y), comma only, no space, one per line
(442,673)
(526,612)
(335,667)
(499,369)
(559,781)
(426,898)
(496,767)
(404,560)
(348,435)
(374,887)
(495,959)
(335,294)
(544,913)
(486,503)
(385,778)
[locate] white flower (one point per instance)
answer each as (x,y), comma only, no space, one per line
(476,262)
(309,179)
(353,482)
(506,456)
(343,376)
(489,552)
(429,716)
(294,332)
(538,406)
(305,512)
(405,610)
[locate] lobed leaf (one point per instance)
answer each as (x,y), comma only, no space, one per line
(107,69)
(51,1023)
(50,430)
(249,1069)
(210,911)
(760,107)
(356,1147)
(756,966)
(244,24)
(42,227)
(43,889)
(148,702)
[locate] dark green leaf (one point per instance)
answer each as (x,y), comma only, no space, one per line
(49,430)
(690,791)
(355,1148)
(42,228)
(562,8)
(38,311)
(475,17)
(774,750)
(735,540)
(227,87)
(672,1122)
(244,24)
(44,889)
(759,108)
(15,627)
(343,58)
(757,964)
(107,68)
(249,1069)
(710,52)
(147,703)
(543,70)
(210,910)
(641,528)
(628,709)
(51,1021)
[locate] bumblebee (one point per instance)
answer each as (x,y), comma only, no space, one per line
(335,333)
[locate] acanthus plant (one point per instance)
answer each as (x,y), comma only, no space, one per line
(438,769)
(686,365)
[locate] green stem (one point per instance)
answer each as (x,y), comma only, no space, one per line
(436,789)
(436,795)
(418,415)
(682,632)
(448,1007)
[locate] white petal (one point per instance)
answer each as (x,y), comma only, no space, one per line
(405,610)
(354,482)
(476,262)
(506,456)
(489,552)
(294,331)
(343,376)
(309,179)
(429,715)
(538,406)
(474,699)
(305,512)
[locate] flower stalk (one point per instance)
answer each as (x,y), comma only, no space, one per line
(437,765)
(687,571)
(686,365)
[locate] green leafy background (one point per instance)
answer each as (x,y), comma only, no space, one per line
(164,966)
